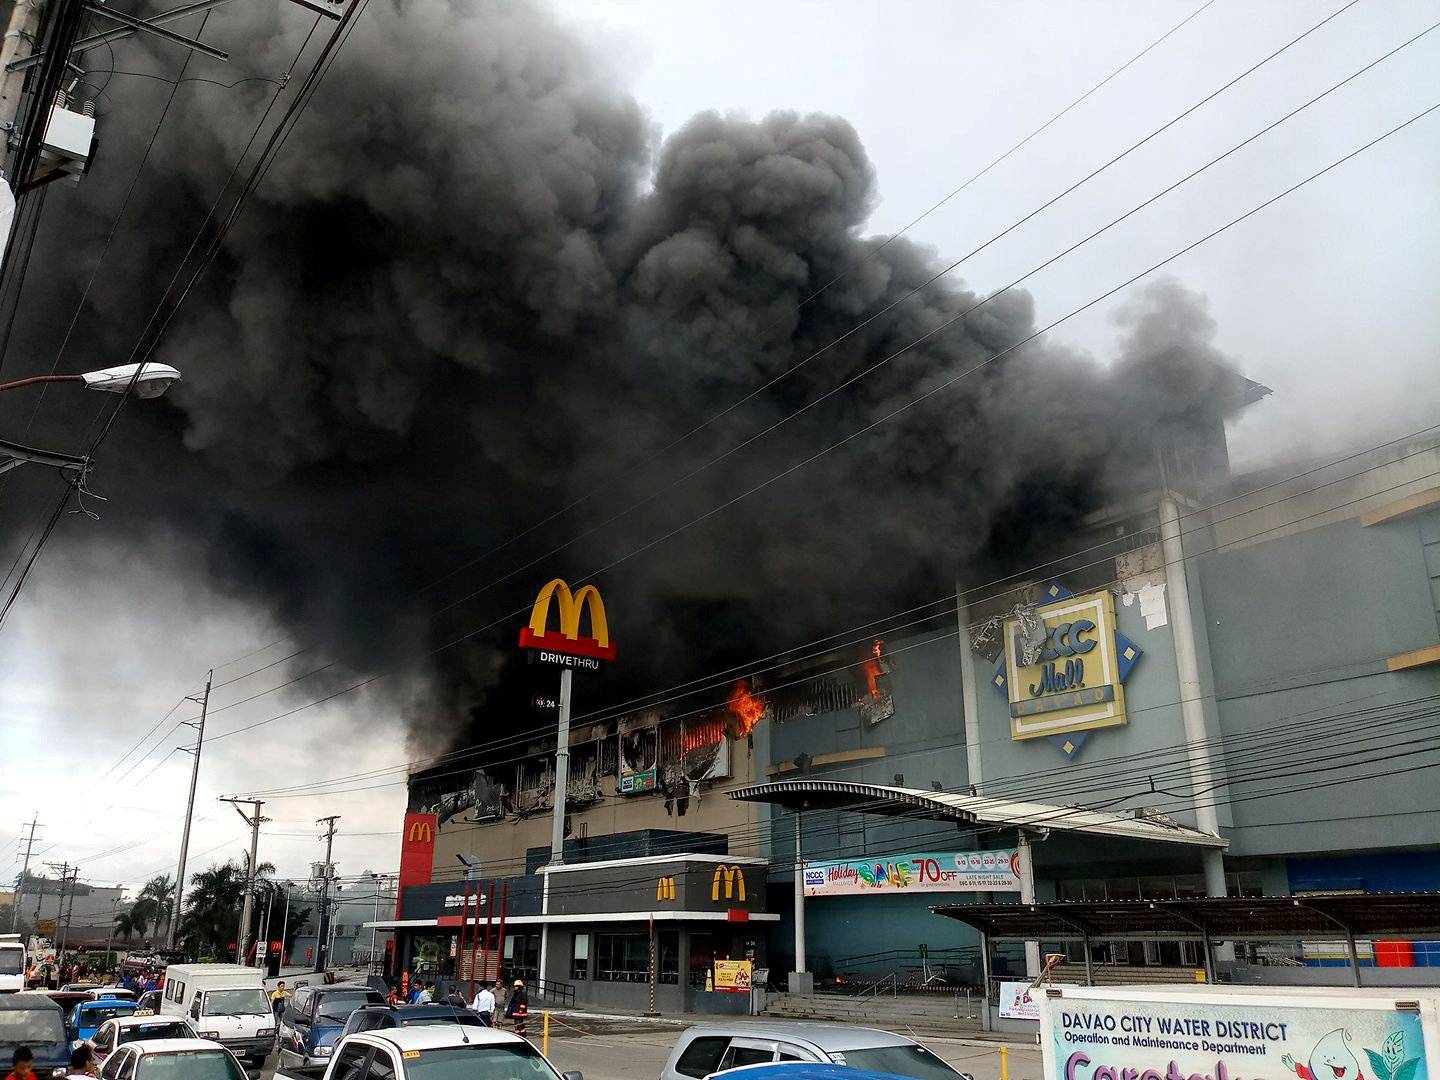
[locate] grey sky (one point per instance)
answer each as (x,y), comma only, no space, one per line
(1328,297)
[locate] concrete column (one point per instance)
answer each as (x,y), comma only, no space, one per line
(969,696)
(801,981)
(1192,709)
(1027,896)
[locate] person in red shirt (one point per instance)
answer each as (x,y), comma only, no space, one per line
(24,1064)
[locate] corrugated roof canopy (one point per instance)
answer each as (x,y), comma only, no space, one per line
(1224,918)
(976,809)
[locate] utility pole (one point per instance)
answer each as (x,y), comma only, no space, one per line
(25,868)
(242,939)
(174,927)
(69,877)
(322,947)
(263,937)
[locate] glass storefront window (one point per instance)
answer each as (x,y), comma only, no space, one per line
(580,958)
(622,958)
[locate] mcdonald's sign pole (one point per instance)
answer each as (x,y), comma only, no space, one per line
(568,650)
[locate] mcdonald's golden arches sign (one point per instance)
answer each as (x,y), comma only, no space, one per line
(567,646)
(728,883)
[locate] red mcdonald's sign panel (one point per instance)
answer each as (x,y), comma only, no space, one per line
(417,851)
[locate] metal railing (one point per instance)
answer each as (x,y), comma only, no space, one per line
(874,990)
(555,992)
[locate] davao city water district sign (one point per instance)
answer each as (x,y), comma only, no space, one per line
(566,647)
(1076,682)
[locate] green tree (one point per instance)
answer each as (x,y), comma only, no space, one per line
(212,909)
(125,925)
(159,896)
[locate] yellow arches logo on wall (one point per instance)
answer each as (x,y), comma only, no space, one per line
(733,879)
(421,832)
(665,889)
(567,641)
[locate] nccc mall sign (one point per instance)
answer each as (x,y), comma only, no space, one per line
(566,647)
(1076,683)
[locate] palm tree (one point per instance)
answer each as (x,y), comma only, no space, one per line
(159,896)
(212,908)
(154,903)
(125,925)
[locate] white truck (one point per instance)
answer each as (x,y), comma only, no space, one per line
(226,1003)
(434,1052)
(12,963)
(1240,1033)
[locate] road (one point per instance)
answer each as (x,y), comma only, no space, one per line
(641,1056)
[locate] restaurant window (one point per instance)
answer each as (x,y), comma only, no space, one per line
(702,958)
(669,948)
(622,958)
(580,958)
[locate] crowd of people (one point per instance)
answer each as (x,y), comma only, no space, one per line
(82,1063)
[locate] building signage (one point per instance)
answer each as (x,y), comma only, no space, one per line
(1076,680)
(951,871)
(733,976)
(566,647)
(635,783)
(1090,1039)
(417,850)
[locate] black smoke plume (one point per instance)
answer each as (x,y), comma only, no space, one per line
(476,287)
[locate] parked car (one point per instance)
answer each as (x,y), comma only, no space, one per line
(112,992)
(66,999)
(33,1020)
(223,1002)
(127,1029)
(172,1059)
(436,1050)
(315,1017)
(378,1017)
(714,1048)
(86,1017)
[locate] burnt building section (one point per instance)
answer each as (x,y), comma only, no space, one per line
(660,769)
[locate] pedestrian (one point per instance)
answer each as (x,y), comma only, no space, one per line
(82,1061)
(484,1005)
(518,1011)
(427,994)
(23,1064)
(392,998)
(278,997)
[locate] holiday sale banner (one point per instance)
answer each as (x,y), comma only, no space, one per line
(948,871)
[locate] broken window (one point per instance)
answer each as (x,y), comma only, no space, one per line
(639,755)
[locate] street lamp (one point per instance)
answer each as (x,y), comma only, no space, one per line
(144,380)
(148,380)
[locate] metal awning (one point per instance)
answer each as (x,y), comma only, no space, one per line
(1220,918)
(971,809)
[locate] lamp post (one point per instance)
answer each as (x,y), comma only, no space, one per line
(285,923)
(143,380)
(147,380)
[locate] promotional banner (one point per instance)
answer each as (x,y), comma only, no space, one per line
(1019,1002)
(950,871)
(733,976)
(1152,1040)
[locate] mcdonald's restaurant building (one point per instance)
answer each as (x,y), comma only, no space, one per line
(599,929)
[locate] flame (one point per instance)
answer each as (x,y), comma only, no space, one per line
(706,733)
(748,708)
(871,667)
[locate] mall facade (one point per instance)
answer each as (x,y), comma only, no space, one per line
(1220,685)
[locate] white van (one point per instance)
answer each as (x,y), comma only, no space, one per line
(223,1002)
(12,963)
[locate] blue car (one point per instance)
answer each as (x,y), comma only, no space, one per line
(86,1018)
(314,1019)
